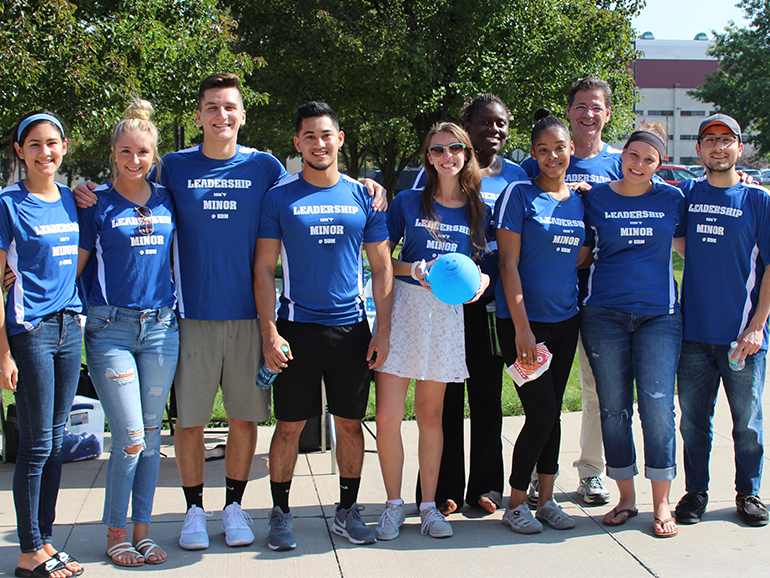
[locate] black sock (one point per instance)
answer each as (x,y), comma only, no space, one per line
(348,491)
(280,493)
(193,495)
(234,491)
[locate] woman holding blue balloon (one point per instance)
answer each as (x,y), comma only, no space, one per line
(540,232)
(426,343)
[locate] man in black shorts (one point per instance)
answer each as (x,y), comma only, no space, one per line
(317,221)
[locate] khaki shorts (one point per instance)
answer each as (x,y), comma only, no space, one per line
(214,353)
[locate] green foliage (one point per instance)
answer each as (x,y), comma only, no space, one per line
(392,69)
(741,86)
(85,62)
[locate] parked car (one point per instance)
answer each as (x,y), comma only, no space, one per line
(675,174)
(754,173)
(697,170)
(766,177)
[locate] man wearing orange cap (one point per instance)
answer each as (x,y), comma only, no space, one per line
(725,306)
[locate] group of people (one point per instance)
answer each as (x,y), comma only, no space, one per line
(175,257)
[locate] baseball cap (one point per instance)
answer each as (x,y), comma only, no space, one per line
(723,119)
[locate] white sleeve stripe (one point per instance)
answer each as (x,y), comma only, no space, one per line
(751,281)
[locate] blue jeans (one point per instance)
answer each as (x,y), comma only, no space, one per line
(48,359)
(624,348)
(700,368)
(132,358)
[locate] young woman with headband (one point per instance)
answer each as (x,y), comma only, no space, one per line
(132,338)
(40,334)
(631,325)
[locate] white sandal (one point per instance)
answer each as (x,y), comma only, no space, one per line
(124,548)
(150,545)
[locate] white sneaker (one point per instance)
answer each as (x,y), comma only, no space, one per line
(390,521)
(434,524)
(235,526)
(521,520)
(533,493)
(593,491)
(194,535)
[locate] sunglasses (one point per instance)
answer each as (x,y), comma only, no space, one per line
(145,220)
(437,151)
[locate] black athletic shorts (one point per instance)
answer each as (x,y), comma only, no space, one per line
(338,355)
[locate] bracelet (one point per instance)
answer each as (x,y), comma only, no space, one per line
(414,268)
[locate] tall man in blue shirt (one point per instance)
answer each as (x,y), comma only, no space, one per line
(725,299)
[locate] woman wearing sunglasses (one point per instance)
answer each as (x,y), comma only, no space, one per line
(132,339)
(426,341)
(540,232)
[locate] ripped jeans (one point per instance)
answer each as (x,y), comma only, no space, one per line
(132,358)
(624,348)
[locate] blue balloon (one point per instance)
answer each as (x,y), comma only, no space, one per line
(454,278)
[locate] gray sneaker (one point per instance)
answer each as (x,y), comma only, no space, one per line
(434,524)
(279,534)
(390,522)
(593,491)
(521,520)
(552,514)
(348,523)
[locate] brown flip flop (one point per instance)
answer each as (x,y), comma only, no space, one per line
(660,524)
(629,512)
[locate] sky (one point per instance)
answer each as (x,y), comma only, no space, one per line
(683,19)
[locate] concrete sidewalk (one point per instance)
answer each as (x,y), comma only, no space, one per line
(481,546)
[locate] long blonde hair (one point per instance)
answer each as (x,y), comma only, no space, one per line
(470,185)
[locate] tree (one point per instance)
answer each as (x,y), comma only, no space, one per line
(741,85)
(85,62)
(392,68)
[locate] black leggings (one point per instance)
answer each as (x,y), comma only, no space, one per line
(539,438)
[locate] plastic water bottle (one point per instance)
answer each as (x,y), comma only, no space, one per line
(734,363)
(266,376)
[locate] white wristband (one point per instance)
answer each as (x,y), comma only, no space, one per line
(414,268)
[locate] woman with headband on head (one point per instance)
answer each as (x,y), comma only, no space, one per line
(40,334)
(132,337)
(631,326)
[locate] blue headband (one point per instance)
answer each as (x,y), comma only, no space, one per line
(42,116)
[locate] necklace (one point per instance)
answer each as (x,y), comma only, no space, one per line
(556,203)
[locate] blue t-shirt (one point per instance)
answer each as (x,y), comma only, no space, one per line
(491,189)
(423,238)
(41,242)
(603,168)
(131,269)
(552,233)
(217,212)
(632,239)
(322,231)
(726,251)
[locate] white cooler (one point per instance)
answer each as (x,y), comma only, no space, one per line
(87,416)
